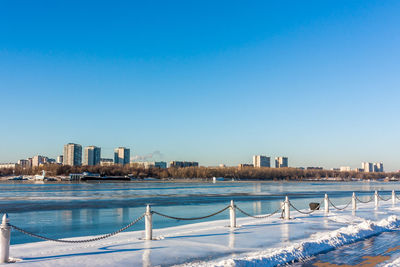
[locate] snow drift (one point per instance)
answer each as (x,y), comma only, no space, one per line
(318,243)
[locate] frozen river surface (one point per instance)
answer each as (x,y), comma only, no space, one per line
(319,239)
(83,209)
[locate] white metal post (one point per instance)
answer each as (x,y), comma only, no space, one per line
(287,208)
(232,214)
(148,224)
(326,203)
(376,199)
(5,235)
(354,201)
(393,197)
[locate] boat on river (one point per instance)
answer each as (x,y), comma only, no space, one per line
(17,178)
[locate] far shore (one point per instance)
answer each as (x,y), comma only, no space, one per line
(9,179)
(128,172)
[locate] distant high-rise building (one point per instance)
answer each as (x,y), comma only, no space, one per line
(30,162)
(379,167)
(122,155)
(92,155)
(367,166)
(24,163)
(60,159)
(72,154)
(281,162)
(261,161)
(37,160)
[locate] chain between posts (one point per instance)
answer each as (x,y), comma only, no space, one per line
(306,212)
(348,204)
(78,241)
(370,200)
(190,219)
(381,198)
(257,216)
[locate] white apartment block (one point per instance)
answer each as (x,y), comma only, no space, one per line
(92,155)
(281,162)
(261,161)
(72,154)
(122,155)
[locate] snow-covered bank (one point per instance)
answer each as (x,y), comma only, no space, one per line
(318,243)
(265,242)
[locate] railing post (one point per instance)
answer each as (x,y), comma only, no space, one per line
(232,214)
(354,201)
(376,199)
(5,235)
(326,203)
(393,197)
(148,224)
(287,208)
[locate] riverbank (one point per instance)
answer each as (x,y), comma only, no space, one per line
(228,173)
(256,242)
(57,179)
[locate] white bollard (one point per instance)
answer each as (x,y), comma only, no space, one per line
(354,201)
(148,224)
(5,235)
(287,208)
(393,197)
(376,199)
(326,203)
(232,214)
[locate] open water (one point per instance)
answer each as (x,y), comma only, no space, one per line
(60,210)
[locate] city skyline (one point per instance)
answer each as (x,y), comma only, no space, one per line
(214,83)
(78,155)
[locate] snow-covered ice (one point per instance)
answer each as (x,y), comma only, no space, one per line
(256,242)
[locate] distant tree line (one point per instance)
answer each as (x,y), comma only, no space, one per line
(199,172)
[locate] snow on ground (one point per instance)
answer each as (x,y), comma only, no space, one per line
(256,242)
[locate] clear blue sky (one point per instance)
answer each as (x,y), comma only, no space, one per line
(211,81)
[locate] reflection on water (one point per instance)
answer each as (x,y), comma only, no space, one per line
(285,238)
(80,209)
(257,207)
(146,254)
(371,252)
(231,237)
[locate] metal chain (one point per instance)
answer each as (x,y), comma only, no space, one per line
(78,241)
(359,200)
(191,219)
(305,212)
(381,198)
(259,216)
(340,208)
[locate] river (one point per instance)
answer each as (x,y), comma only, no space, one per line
(60,210)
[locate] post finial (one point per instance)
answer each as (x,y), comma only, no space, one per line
(5,219)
